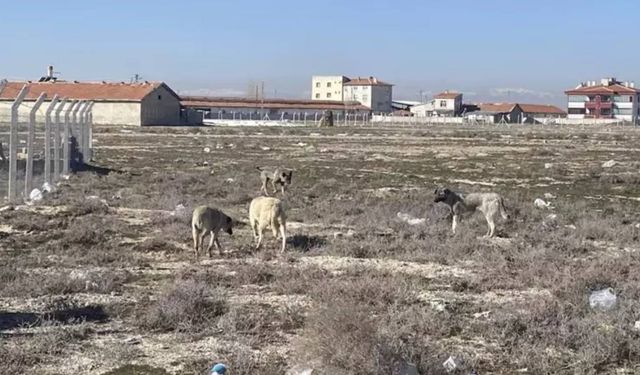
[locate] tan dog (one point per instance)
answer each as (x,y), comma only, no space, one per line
(268,212)
(278,176)
(209,220)
(490,204)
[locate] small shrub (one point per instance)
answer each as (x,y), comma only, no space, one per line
(185,306)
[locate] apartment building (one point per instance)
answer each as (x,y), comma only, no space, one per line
(607,99)
(445,104)
(370,92)
(328,88)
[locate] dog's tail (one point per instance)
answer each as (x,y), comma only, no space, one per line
(503,210)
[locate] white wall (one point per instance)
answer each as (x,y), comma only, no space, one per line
(320,89)
(104,113)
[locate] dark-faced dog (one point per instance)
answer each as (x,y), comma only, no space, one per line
(278,176)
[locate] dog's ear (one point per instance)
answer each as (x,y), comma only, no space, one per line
(447,191)
(229,220)
(290,173)
(435,191)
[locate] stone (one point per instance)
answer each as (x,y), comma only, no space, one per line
(207,150)
(410,219)
(549,196)
(548,165)
(180,210)
(47,187)
(636,325)
(264,148)
(135,340)
(301,370)
(604,299)
(609,163)
(451,364)
(35,195)
(540,203)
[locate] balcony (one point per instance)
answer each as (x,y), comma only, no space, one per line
(596,104)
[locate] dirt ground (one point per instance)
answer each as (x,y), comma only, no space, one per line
(100,277)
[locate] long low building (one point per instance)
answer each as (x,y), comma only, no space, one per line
(138,104)
(273,109)
(512,113)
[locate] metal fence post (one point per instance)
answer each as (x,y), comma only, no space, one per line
(65,137)
(28,174)
(56,141)
(13,143)
(47,139)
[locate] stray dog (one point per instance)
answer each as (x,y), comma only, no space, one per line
(279,176)
(268,212)
(209,220)
(490,204)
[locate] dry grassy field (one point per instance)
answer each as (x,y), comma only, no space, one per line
(100,276)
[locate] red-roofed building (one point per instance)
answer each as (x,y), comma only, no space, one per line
(146,103)
(370,91)
(444,104)
(608,99)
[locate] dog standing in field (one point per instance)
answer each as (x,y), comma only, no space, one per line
(210,220)
(268,212)
(278,176)
(490,204)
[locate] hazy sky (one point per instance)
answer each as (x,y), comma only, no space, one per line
(499,50)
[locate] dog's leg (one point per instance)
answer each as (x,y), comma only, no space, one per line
(283,189)
(218,246)
(283,232)
(273,184)
(212,238)
(196,243)
(259,240)
(491,225)
(264,187)
(201,242)
(254,227)
(454,223)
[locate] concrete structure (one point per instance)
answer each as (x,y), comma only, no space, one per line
(608,99)
(494,113)
(328,88)
(370,92)
(139,104)
(273,109)
(445,104)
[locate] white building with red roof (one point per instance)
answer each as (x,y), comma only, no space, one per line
(115,103)
(444,104)
(607,99)
(371,92)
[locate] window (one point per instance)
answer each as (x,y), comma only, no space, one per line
(159,97)
(328,95)
(443,104)
(328,84)
(622,111)
(317,96)
(365,98)
(576,111)
(317,84)
(577,98)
